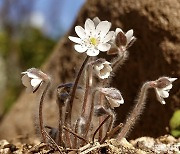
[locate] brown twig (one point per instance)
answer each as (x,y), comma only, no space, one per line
(75,134)
(60,151)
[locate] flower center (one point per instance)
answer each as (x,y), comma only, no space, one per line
(93,41)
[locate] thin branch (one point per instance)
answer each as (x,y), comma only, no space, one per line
(75,134)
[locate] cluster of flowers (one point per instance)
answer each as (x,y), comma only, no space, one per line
(99,100)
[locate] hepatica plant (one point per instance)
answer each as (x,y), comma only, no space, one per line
(86,112)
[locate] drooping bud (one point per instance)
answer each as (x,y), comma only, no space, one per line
(162,87)
(102,68)
(113,96)
(33,78)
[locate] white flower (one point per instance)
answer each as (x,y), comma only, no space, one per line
(33,78)
(162,88)
(113,96)
(94,37)
(102,68)
(121,41)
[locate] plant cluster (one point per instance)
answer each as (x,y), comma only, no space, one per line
(95,100)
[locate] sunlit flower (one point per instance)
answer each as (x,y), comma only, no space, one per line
(113,96)
(102,68)
(121,41)
(162,87)
(94,37)
(33,78)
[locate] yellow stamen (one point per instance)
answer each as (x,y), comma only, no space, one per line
(93,40)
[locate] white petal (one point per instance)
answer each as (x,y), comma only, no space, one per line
(31,75)
(92,52)
(172,79)
(80,32)
(104,47)
(113,103)
(108,37)
(129,35)
(121,101)
(118,30)
(168,87)
(35,82)
(80,48)
(26,81)
(163,93)
(99,67)
(89,26)
(103,28)
(75,39)
(96,21)
(160,99)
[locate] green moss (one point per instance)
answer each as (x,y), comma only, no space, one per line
(175,124)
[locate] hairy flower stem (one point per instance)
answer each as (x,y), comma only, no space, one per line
(101,124)
(110,133)
(137,110)
(101,98)
(109,128)
(86,112)
(70,103)
(41,125)
(60,125)
(69,107)
(119,60)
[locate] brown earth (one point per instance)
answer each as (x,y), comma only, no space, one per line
(156,53)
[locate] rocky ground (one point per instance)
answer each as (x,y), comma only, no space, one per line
(145,145)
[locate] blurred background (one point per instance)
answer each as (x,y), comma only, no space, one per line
(29,30)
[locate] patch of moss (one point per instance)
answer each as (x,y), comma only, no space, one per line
(175,124)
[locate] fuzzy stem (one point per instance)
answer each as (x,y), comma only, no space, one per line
(112,132)
(87,90)
(60,125)
(119,60)
(109,128)
(86,112)
(101,118)
(137,110)
(68,111)
(101,124)
(41,125)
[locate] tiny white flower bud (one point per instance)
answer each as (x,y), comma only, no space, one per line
(33,78)
(102,68)
(113,96)
(121,41)
(162,87)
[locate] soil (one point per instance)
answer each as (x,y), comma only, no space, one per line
(144,145)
